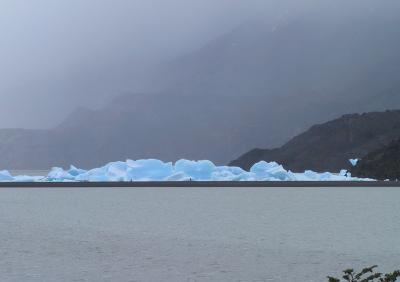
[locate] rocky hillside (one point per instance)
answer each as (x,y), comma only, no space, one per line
(329,146)
(381,164)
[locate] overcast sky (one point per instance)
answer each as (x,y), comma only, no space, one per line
(57,55)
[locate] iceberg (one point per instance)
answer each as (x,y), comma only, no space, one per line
(196,170)
(354,162)
(182,170)
(270,171)
(5,176)
(155,170)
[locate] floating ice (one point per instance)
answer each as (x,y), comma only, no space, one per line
(182,170)
(5,176)
(200,170)
(270,171)
(354,162)
(58,173)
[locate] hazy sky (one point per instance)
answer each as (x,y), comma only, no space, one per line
(57,55)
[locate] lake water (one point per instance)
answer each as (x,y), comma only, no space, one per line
(204,234)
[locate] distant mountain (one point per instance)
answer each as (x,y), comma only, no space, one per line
(255,87)
(132,126)
(278,81)
(381,164)
(329,146)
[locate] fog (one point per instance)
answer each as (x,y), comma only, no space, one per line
(58,55)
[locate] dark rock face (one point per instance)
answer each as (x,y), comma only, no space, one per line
(381,164)
(329,146)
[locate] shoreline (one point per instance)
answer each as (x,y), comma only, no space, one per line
(200,184)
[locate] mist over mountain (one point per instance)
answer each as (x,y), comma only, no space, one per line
(284,79)
(253,87)
(56,56)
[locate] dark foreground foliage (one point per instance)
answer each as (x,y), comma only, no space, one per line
(367,275)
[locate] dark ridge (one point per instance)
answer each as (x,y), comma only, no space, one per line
(382,164)
(329,146)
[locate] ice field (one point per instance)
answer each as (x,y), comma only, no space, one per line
(182,170)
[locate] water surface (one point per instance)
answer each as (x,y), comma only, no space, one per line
(196,234)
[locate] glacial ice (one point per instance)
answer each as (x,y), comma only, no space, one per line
(182,170)
(5,176)
(354,162)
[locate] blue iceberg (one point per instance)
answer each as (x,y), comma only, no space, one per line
(182,170)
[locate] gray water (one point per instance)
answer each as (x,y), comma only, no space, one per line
(205,234)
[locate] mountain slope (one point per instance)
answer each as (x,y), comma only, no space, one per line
(254,87)
(282,80)
(381,164)
(132,126)
(329,146)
